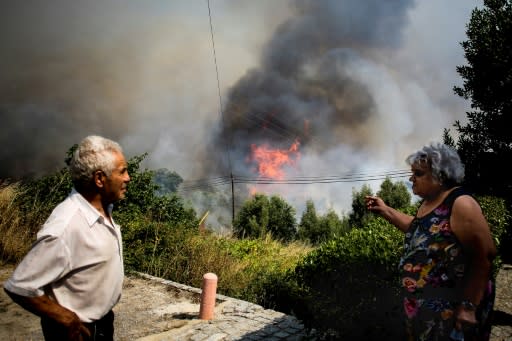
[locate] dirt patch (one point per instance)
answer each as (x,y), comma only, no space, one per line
(146,307)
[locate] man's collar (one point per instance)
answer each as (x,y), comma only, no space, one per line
(92,215)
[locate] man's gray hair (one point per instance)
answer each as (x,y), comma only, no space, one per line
(93,153)
(444,161)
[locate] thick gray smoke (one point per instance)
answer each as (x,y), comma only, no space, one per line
(339,77)
(310,84)
(358,83)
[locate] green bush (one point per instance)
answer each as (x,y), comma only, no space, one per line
(348,287)
(497,215)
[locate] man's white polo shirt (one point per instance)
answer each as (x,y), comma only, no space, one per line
(77,260)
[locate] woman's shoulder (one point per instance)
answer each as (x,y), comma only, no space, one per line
(455,193)
(465,203)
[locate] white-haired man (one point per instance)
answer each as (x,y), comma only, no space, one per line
(73,274)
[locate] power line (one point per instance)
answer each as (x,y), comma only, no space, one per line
(228,147)
(229,143)
(203,184)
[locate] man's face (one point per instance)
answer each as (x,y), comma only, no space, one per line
(115,184)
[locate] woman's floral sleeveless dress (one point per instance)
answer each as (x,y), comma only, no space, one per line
(431,272)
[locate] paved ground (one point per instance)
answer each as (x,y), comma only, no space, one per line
(233,320)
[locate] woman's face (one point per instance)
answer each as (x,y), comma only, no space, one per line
(423,184)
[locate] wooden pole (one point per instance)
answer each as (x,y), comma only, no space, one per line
(233,197)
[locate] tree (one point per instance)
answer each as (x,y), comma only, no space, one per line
(330,225)
(317,229)
(359,215)
(262,215)
(485,140)
(395,194)
(167,181)
(308,222)
(282,222)
(308,226)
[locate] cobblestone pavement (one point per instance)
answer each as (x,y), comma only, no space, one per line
(233,320)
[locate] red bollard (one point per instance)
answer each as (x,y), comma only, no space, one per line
(208,296)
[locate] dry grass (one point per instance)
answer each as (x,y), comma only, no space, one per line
(242,266)
(240,274)
(15,236)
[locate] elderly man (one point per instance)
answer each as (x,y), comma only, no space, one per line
(73,274)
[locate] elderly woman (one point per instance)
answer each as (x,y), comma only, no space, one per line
(446,266)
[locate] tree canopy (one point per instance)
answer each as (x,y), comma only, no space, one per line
(485,140)
(317,229)
(395,194)
(262,214)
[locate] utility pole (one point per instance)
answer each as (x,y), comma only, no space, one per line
(233,197)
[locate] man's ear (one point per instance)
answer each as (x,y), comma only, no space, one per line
(99,178)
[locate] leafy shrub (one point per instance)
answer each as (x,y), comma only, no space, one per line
(349,286)
(497,215)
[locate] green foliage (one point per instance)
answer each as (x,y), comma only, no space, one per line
(395,195)
(330,225)
(351,281)
(263,265)
(448,139)
(282,222)
(262,215)
(143,202)
(497,215)
(70,153)
(485,140)
(318,229)
(379,242)
(499,218)
(167,181)
(160,249)
(308,226)
(359,215)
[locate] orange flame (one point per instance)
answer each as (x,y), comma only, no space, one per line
(270,162)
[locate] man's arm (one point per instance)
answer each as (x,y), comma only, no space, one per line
(43,306)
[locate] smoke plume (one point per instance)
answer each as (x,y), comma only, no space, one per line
(359,84)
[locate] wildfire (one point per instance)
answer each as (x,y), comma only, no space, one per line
(270,161)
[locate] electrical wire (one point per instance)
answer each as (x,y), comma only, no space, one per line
(204,184)
(228,147)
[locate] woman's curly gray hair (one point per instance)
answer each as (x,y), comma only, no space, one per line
(444,161)
(93,153)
